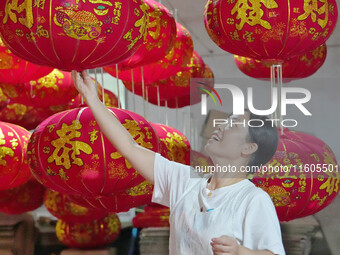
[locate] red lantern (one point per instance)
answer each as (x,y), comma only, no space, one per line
(69,154)
(153,216)
(74,34)
(62,207)
(173,144)
(123,201)
(295,68)
(24,198)
(55,88)
(159,39)
(110,99)
(198,159)
(175,86)
(92,234)
(28,116)
(177,59)
(305,177)
(14,170)
(270,29)
(3,100)
(15,70)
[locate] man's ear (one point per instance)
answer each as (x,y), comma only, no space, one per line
(249,148)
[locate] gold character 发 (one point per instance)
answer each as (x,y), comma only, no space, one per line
(64,145)
(311,9)
(252,14)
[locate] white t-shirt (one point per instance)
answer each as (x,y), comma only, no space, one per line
(240,210)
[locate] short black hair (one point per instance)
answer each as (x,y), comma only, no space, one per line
(266,137)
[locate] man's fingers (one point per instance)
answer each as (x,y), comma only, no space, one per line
(223,240)
(220,248)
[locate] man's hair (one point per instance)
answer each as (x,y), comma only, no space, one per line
(266,137)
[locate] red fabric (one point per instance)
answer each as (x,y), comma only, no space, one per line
(177,59)
(74,34)
(159,40)
(92,234)
(69,154)
(294,68)
(298,194)
(173,144)
(61,206)
(14,169)
(270,29)
(15,70)
(53,89)
(154,215)
(24,198)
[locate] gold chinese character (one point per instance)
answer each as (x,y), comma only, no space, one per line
(252,14)
(311,9)
(64,145)
(4,150)
(13,10)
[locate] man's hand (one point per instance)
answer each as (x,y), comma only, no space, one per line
(224,245)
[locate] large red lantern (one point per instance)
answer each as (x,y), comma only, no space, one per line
(15,70)
(53,89)
(173,144)
(92,234)
(123,201)
(69,154)
(24,198)
(175,61)
(28,117)
(77,34)
(297,67)
(271,29)
(159,39)
(62,207)
(14,169)
(304,177)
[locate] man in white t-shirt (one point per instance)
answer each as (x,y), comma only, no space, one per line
(225,214)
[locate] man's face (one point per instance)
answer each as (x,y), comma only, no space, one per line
(228,140)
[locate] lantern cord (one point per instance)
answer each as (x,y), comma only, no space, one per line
(176,112)
(147,100)
(143,91)
(103,85)
(276,81)
(166,112)
(175,15)
(272,76)
(192,132)
(96,79)
(279,75)
(158,102)
(160,1)
(133,91)
(118,93)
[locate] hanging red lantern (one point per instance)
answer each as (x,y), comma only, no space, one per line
(110,99)
(153,216)
(62,207)
(123,201)
(270,29)
(175,86)
(15,70)
(69,154)
(92,234)
(304,178)
(176,60)
(173,144)
(159,40)
(14,169)
(73,35)
(24,198)
(295,68)
(3,100)
(56,88)
(28,117)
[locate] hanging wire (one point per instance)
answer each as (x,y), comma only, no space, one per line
(103,86)
(133,91)
(176,112)
(276,81)
(147,100)
(158,102)
(143,91)
(118,93)
(280,94)
(166,112)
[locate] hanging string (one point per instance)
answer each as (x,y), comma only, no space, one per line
(279,74)
(118,93)
(133,92)
(96,79)
(158,102)
(176,112)
(147,100)
(175,15)
(166,112)
(276,81)
(272,76)
(103,86)
(143,91)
